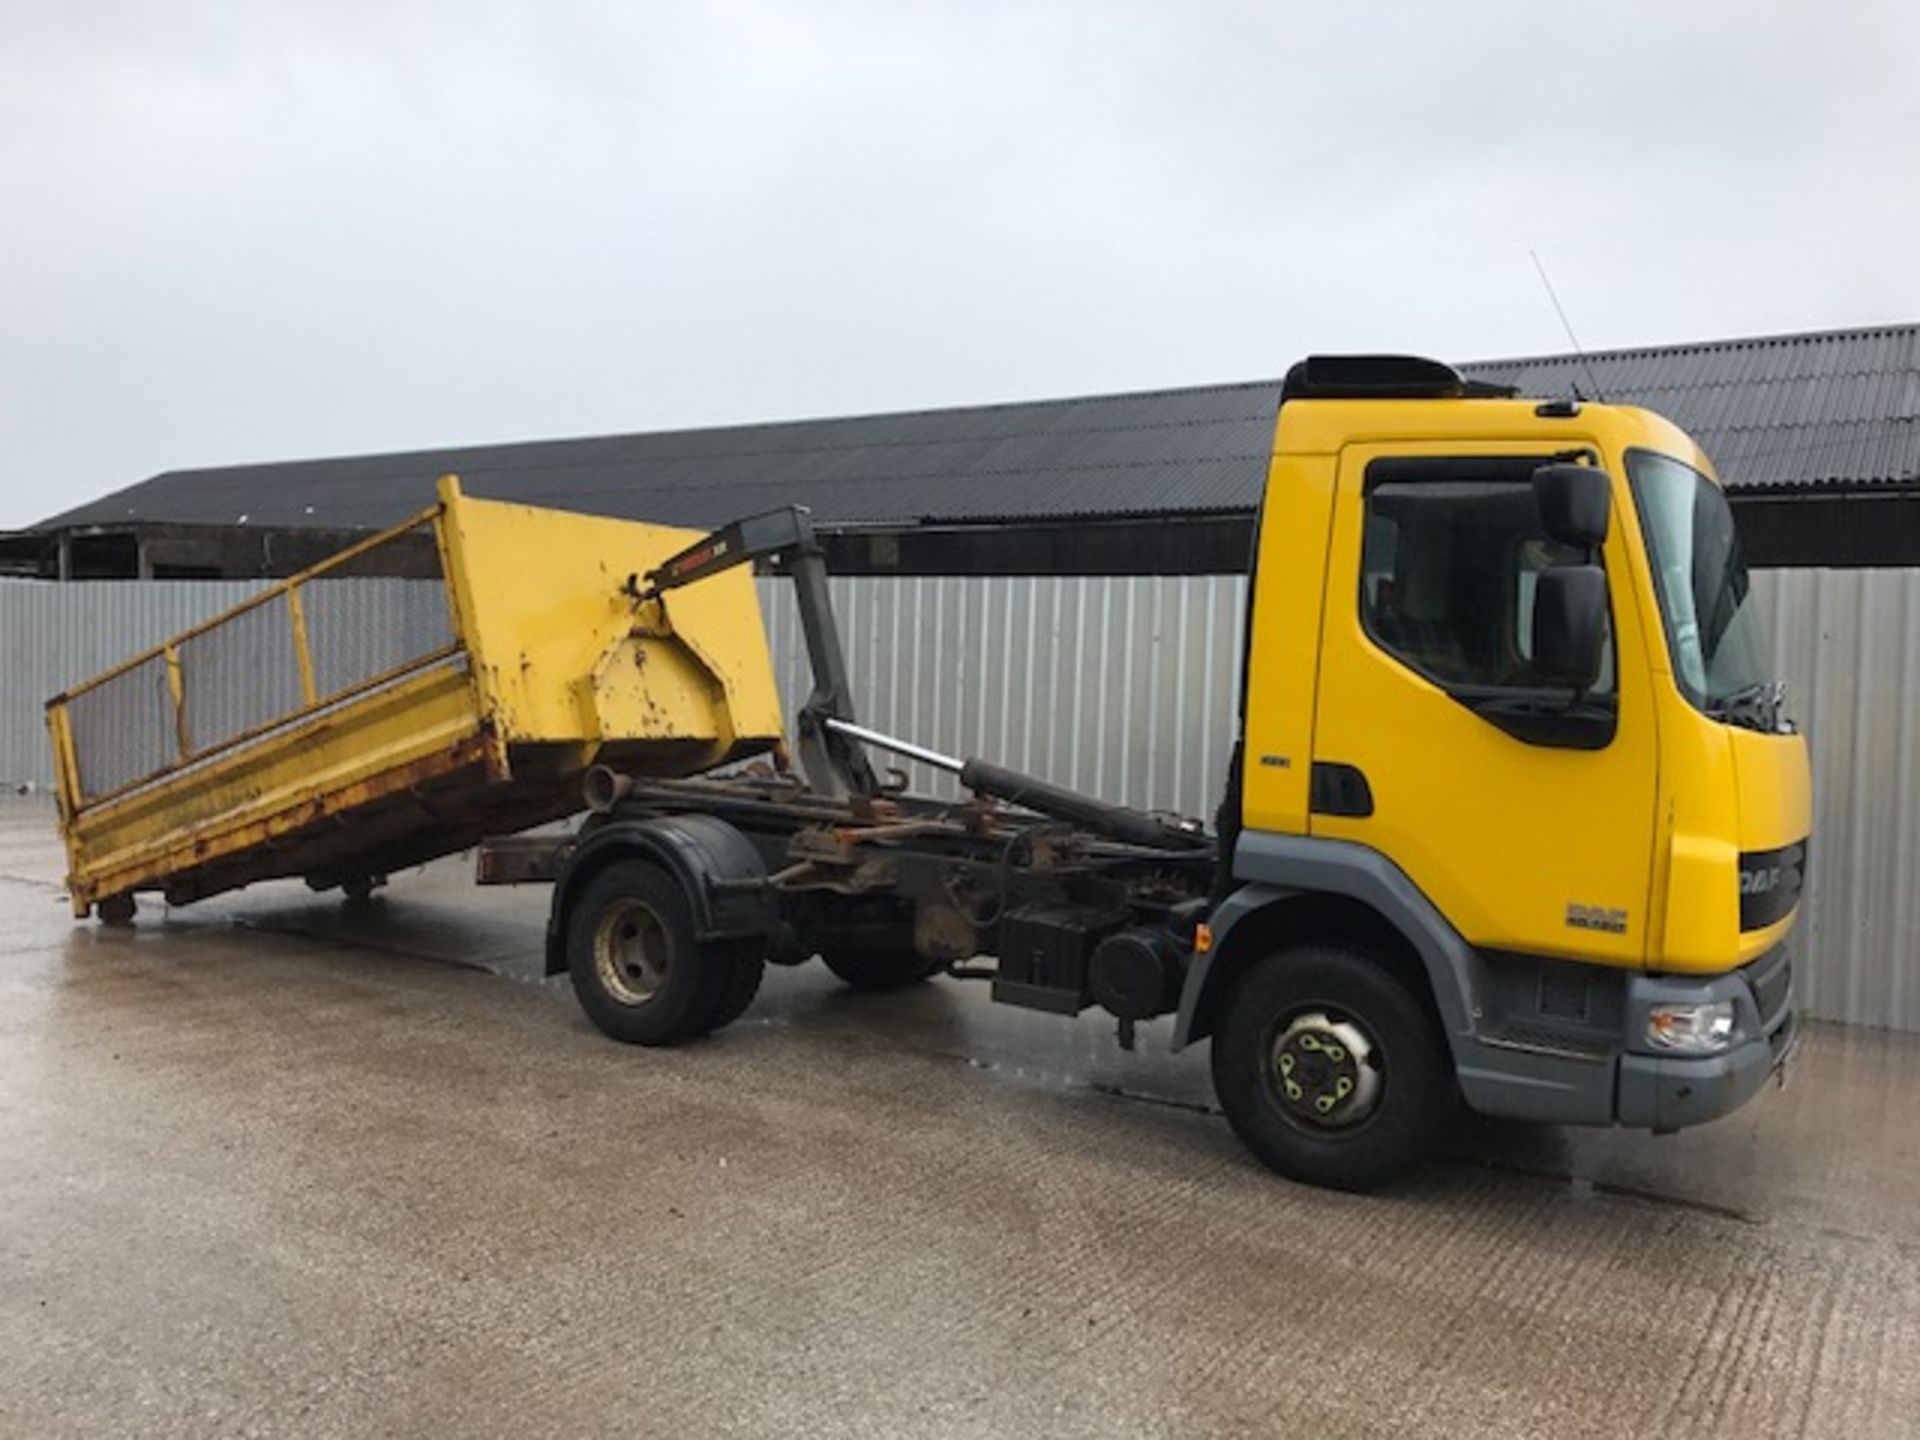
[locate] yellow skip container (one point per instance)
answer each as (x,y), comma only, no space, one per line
(443,681)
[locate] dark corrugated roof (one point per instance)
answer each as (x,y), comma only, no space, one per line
(1194,450)
(1833,407)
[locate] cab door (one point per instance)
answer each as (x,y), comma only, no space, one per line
(1524,812)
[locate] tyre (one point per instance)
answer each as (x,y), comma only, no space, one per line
(635,965)
(115,910)
(881,969)
(748,966)
(1330,1069)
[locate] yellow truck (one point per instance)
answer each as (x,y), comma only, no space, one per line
(1515,819)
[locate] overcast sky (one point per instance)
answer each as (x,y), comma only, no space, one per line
(256,231)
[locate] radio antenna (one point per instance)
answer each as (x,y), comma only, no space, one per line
(1586,365)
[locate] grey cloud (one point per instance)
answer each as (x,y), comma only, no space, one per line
(244,232)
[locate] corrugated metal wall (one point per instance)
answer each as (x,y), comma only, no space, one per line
(1847,642)
(1125,687)
(53,636)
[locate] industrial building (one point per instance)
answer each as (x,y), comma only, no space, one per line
(1817,436)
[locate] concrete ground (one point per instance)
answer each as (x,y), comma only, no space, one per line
(272,1166)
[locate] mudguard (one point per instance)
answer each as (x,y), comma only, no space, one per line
(1275,867)
(697,850)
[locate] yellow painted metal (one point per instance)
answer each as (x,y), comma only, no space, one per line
(1289,592)
(551,667)
(1467,810)
(563,653)
(321,769)
(303,652)
(65,772)
(176,692)
(1501,835)
(1776,807)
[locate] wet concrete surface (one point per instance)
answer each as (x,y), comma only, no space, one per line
(272,1165)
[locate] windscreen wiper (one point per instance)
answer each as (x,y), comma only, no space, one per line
(1757,706)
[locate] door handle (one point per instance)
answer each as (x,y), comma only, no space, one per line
(1337,789)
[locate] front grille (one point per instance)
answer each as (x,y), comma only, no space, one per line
(1771,979)
(1770,883)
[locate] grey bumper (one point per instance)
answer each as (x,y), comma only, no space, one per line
(1621,1080)
(1666,1092)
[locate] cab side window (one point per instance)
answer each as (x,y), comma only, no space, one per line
(1447,578)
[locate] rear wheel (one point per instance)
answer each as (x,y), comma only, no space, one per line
(636,967)
(881,969)
(748,961)
(1330,1069)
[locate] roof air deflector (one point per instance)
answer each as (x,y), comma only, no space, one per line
(1382,377)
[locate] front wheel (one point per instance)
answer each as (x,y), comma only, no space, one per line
(1330,1069)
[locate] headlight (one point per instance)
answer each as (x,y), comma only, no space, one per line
(1700,1029)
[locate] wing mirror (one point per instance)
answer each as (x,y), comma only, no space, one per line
(1570,623)
(1575,502)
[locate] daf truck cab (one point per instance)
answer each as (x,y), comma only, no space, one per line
(1514,770)
(1515,817)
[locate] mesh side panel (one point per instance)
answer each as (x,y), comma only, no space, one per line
(123,730)
(370,614)
(240,675)
(359,627)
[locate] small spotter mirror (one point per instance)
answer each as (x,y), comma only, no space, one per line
(1575,502)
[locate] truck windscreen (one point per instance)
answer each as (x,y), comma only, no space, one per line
(1719,655)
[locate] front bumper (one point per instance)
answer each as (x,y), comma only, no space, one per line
(1610,1075)
(1667,1092)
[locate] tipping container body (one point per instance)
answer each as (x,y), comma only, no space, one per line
(446,680)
